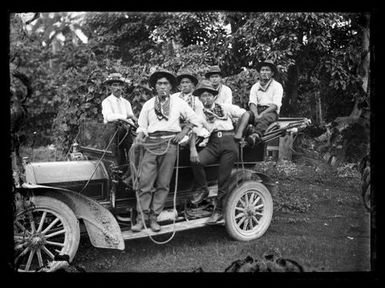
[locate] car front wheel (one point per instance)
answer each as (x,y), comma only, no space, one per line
(47,229)
(248,211)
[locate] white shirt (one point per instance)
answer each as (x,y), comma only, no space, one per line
(231,111)
(225,95)
(273,95)
(114,108)
(197,106)
(148,121)
(196,103)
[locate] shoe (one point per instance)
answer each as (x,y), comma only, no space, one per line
(154,225)
(137,227)
(253,139)
(214,218)
(199,196)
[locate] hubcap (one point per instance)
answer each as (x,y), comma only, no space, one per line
(248,212)
(36,240)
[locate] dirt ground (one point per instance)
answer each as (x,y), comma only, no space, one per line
(319,221)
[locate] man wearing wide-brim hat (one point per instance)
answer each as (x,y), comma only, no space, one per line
(115,106)
(225,94)
(221,146)
(187,81)
(117,109)
(265,102)
(160,132)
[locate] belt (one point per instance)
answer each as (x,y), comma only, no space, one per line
(222,133)
(162,134)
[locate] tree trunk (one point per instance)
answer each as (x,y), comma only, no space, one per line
(319,109)
(291,88)
(365,55)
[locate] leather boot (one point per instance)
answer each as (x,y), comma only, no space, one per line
(138,226)
(253,139)
(215,217)
(199,196)
(154,224)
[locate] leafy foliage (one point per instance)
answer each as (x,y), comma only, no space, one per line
(316,54)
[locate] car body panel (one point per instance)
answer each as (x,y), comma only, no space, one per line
(102,227)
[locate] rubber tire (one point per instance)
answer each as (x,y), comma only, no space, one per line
(229,212)
(69,220)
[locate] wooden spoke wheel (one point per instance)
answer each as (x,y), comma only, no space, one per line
(248,211)
(48,229)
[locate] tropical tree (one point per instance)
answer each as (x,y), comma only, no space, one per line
(318,56)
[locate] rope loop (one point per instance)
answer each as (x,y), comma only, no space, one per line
(136,172)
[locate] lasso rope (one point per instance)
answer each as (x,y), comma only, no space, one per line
(136,173)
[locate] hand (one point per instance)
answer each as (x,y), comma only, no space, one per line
(140,138)
(194,158)
(178,137)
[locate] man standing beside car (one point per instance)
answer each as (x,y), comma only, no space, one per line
(116,108)
(160,129)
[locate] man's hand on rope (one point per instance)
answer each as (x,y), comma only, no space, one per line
(140,138)
(178,137)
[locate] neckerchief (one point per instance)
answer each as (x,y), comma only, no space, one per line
(264,87)
(189,98)
(162,110)
(215,113)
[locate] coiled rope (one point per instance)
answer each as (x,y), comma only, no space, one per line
(136,173)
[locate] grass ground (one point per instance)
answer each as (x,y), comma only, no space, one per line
(319,221)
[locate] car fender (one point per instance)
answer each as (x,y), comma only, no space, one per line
(240,175)
(102,227)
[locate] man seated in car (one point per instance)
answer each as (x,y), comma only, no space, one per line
(221,146)
(187,82)
(265,101)
(116,108)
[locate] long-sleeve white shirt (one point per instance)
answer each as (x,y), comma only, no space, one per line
(225,95)
(149,123)
(196,103)
(114,108)
(231,111)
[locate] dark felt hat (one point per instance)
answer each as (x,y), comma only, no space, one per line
(267,63)
(115,77)
(213,70)
(160,74)
(205,85)
(186,74)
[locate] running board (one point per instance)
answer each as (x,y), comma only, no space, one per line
(179,226)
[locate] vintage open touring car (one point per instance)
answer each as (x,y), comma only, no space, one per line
(57,202)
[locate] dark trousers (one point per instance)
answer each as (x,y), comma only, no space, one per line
(125,143)
(260,125)
(225,151)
